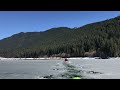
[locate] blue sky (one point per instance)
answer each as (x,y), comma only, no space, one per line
(12,22)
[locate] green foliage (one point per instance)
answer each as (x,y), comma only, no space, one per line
(102,38)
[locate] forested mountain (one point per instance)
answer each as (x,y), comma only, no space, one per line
(96,39)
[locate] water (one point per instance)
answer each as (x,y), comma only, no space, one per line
(56,69)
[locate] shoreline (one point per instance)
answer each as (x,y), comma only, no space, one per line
(55,58)
(31,58)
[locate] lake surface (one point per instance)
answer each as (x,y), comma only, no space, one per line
(86,68)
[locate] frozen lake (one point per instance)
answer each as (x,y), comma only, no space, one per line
(86,68)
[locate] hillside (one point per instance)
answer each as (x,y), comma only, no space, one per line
(95,39)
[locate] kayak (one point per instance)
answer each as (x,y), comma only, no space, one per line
(76,78)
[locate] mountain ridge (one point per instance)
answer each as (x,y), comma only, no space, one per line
(97,37)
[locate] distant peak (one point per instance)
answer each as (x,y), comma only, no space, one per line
(61,28)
